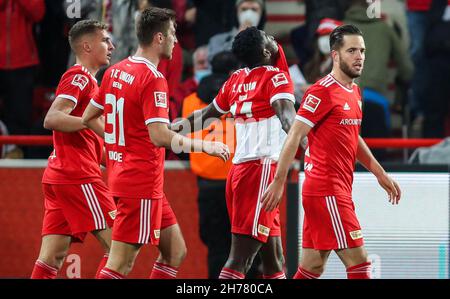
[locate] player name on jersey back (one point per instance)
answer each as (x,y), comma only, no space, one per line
(121,77)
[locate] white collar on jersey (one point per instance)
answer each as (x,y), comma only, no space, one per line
(142,59)
(84,69)
(339,83)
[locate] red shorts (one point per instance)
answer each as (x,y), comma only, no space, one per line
(330,223)
(246,184)
(139,221)
(75,210)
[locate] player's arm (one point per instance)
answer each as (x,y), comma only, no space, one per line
(285,111)
(93,119)
(162,136)
(274,192)
(366,158)
(196,119)
(58,117)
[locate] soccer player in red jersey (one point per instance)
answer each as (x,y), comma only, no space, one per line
(76,198)
(330,115)
(134,99)
(261,99)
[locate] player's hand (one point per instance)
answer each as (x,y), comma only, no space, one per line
(391,187)
(272,197)
(217,149)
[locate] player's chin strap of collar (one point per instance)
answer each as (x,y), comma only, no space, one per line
(281,62)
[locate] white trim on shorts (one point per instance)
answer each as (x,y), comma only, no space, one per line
(336,221)
(94,206)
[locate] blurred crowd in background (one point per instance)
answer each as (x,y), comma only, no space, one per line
(405,83)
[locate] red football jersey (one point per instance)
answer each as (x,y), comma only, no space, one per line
(335,113)
(133,94)
(76,156)
(248,94)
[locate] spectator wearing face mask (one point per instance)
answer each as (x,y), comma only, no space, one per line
(320,63)
(249,13)
(201,69)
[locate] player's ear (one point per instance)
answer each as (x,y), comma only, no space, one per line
(86,46)
(335,55)
(267,53)
(159,38)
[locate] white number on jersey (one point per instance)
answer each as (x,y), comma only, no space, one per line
(117,108)
(245,109)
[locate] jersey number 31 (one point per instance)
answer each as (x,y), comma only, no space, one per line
(117,109)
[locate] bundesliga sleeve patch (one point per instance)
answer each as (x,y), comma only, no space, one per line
(81,81)
(311,103)
(279,79)
(161,99)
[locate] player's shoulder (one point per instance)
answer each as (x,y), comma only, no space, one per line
(79,76)
(275,75)
(318,90)
(149,70)
(239,72)
(322,85)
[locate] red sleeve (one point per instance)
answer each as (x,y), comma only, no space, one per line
(35,9)
(98,95)
(221,101)
(73,86)
(281,62)
(155,101)
(280,86)
(315,105)
(98,98)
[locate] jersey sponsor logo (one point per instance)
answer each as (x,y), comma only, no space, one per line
(311,103)
(160,99)
(351,122)
(357,234)
(263,230)
(81,81)
(346,107)
(157,233)
(279,79)
(112,214)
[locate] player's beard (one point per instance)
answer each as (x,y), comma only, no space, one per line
(346,69)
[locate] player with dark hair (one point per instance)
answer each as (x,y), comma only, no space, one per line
(76,198)
(330,115)
(134,99)
(261,99)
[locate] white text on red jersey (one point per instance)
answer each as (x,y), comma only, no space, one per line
(245,87)
(121,76)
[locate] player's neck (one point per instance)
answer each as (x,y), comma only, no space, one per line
(342,78)
(92,68)
(148,54)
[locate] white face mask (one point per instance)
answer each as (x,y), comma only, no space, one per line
(249,17)
(324,44)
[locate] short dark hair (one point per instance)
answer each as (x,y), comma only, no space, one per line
(224,62)
(82,28)
(248,46)
(337,35)
(151,21)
